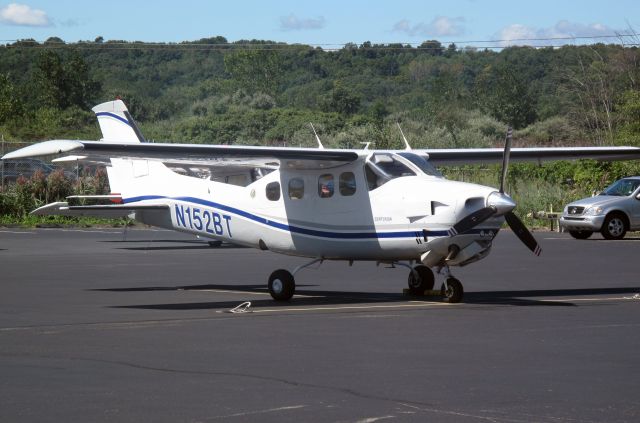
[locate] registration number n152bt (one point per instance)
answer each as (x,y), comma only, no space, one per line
(203,220)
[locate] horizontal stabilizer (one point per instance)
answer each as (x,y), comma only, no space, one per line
(108,211)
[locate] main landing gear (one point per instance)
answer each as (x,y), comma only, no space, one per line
(282,284)
(421,279)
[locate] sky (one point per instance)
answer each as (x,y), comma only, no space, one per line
(326,22)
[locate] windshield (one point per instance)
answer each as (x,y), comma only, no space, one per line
(622,188)
(422,163)
(383,167)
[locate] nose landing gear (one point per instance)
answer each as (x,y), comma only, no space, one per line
(452,290)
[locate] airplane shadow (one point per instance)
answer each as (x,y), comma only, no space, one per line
(184,247)
(307,297)
(627,238)
(196,244)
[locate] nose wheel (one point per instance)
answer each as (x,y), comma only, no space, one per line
(452,290)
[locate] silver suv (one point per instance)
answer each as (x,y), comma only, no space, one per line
(613,212)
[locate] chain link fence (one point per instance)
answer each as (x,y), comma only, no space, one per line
(80,174)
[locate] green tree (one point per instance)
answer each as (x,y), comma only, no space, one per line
(629,132)
(61,84)
(343,100)
(254,70)
(503,93)
(10,104)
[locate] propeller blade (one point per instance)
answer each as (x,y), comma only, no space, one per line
(523,233)
(472,220)
(505,159)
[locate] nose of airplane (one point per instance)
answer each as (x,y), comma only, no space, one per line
(502,202)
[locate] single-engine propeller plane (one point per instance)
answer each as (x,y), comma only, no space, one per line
(390,206)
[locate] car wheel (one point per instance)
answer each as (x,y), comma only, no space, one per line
(580,234)
(614,226)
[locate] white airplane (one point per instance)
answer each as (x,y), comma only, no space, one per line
(388,206)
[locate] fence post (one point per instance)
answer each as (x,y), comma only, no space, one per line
(2,136)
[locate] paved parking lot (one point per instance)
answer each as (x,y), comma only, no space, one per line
(96,326)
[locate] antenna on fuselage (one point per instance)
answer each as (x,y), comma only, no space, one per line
(406,143)
(320,146)
(366,144)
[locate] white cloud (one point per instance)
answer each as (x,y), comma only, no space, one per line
(23,15)
(513,33)
(517,34)
(293,23)
(440,26)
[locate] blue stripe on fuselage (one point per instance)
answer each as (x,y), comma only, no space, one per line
(290,228)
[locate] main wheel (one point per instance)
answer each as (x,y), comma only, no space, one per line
(422,282)
(453,292)
(281,285)
(614,226)
(580,234)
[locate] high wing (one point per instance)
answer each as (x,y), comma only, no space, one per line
(212,155)
(305,158)
(461,156)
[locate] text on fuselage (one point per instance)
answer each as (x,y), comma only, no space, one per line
(203,220)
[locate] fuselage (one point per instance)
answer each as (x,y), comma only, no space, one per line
(383,207)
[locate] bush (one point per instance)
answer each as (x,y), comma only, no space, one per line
(553,131)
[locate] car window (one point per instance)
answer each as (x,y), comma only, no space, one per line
(622,188)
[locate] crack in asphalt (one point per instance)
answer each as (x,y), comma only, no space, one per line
(414,405)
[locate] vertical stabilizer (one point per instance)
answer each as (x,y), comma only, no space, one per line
(116,123)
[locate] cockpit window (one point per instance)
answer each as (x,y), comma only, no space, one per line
(383,167)
(422,163)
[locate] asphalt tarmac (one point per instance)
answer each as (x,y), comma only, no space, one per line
(96,326)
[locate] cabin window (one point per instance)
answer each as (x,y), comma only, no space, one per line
(273,191)
(422,163)
(325,185)
(296,188)
(347,183)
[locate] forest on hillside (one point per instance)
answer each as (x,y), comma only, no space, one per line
(261,92)
(265,93)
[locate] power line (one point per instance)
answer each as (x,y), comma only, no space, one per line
(195,46)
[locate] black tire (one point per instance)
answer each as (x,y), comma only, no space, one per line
(282,286)
(454,292)
(614,226)
(215,244)
(581,234)
(423,281)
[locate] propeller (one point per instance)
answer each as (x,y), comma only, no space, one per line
(499,204)
(522,232)
(471,221)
